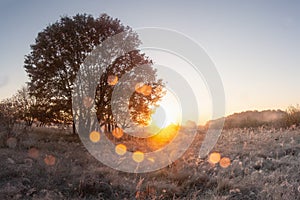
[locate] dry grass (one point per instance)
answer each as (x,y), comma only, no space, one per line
(265,164)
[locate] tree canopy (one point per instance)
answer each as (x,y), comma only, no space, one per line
(57,55)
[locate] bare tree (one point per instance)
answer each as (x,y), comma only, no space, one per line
(25,105)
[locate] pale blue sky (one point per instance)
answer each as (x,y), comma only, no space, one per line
(254,44)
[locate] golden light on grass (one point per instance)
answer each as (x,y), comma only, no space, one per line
(95,136)
(33,153)
(118,132)
(144,89)
(50,160)
(138,156)
(121,149)
(214,158)
(225,162)
(163,137)
(112,80)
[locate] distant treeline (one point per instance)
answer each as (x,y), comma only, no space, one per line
(253,119)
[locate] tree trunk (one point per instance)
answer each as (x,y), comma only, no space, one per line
(74,128)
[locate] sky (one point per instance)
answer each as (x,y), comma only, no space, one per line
(255,45)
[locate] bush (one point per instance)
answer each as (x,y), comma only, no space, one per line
(7,117)
(293,116)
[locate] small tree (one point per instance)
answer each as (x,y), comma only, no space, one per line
(8,115)
(293,116)
(25,104)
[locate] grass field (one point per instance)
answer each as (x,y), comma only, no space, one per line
(51,164)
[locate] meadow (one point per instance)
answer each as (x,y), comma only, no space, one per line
(51,163)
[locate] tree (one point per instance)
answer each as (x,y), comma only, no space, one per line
(57,54)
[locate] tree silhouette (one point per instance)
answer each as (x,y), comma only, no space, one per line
(59,51)
(139,106)
(116,104)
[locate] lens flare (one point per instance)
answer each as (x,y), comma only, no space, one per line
(121,149)
(214,158)
(174,79)
(118,133)
(95,136)
(112,80)
(143,89)
(138,156)
(50,160)
(33,153)
(225,162)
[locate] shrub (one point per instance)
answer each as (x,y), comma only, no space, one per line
(293,116)
(7,116)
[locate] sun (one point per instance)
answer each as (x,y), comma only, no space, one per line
(165,117)
(168,112)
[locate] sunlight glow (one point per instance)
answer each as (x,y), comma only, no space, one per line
(200,113)
(168,112)
(163,137)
